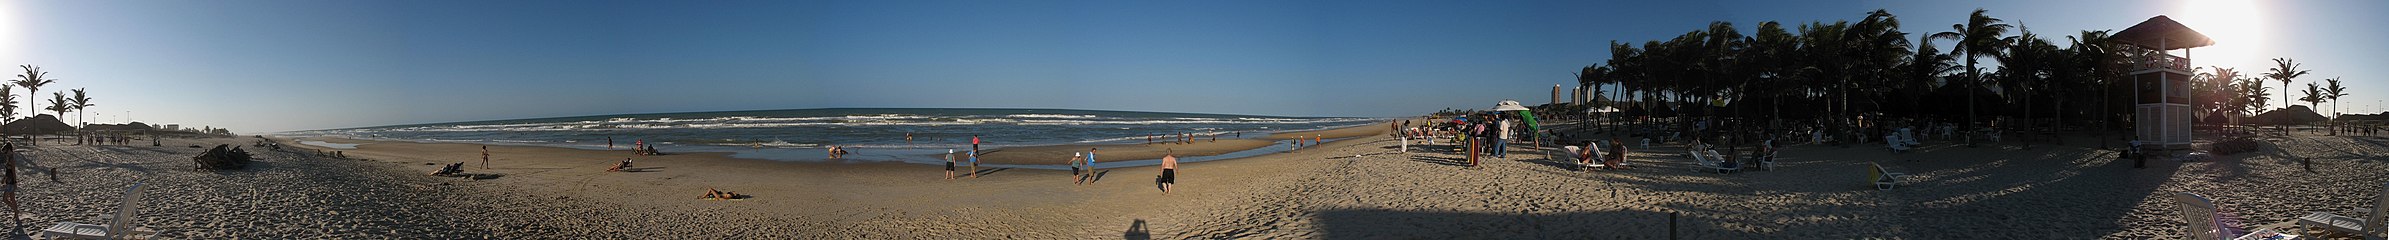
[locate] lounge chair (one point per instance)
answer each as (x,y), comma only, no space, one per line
(1883,179)
(119,225)
(1711,162)
(2371,227)
(1894,143)
(1576,154)
(2207,222)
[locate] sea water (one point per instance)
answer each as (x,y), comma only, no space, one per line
(875,134)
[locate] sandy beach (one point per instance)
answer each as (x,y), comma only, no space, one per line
(1353,188)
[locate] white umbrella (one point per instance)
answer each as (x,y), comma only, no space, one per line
(1602,110)
(1508,105)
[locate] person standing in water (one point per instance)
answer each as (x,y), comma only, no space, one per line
(974,148)
(1169,171)
(609,143)
(949,164)
(907,138)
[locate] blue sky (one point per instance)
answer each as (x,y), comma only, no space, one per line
(261,66)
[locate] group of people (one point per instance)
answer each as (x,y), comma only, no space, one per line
(1486,134)
(973,156)
(837,152)
(1079,161)
(1183,137)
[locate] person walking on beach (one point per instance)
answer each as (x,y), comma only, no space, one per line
(1169,171)
(1090,165)
(8,182)
(484,156)
(974,154)
(949,164)
(1076,176)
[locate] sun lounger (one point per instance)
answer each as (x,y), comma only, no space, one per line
(119,225)
(1895,143)
(1576,155)
(2370,227)
(2208,222)
(1712,161)
(1883,179)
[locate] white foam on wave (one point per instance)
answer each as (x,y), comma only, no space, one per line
(1049,116)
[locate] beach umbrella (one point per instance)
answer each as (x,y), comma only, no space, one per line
(1508,105)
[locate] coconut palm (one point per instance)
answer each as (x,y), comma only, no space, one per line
(2333,91)
(80,102)
(58,103)
(2285,69)
(32,80)
(2314,95)
(2253,94)
(1978,37)
(8,103)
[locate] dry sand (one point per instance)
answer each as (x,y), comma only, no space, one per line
(1996,191)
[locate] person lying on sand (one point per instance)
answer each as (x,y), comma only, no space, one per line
(717,194)
(621,167)
(452,168)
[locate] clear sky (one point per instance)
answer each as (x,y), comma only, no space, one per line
(262,66)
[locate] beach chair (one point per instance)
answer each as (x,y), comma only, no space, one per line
(1575,153)
(1767,161)
(119,225)
(1894,143)
(1883,179)
(2373,226)
(2207,222)
(1712,161)
(1909,137)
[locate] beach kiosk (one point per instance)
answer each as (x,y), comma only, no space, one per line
(2161,80)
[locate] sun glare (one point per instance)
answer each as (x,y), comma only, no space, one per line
(2237,27)
(9,39)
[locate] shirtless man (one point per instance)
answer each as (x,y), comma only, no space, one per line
(1169,171)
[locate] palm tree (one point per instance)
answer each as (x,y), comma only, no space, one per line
(2253,94)
(8,103)
(32,80)
(2334,91)
(80,102)
(58,103)
(1979,36)
(2314,95)
(2285,70)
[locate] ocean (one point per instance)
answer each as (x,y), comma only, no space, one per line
(802,134)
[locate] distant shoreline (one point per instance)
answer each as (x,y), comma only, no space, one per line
(1049,156)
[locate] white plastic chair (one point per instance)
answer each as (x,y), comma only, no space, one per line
(119,225)
(2371,227)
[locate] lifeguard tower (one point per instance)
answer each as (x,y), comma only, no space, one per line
(2162,81)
